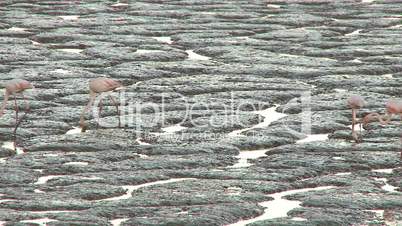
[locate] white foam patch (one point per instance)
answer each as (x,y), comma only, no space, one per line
(75,130)
(340,90)
(387,76)
(131,188)
(356,61)
(343,174)
(139,141)
(45,179)
(145,51)
(383,170)
(117,222)
(298,219)
(273,6)
(167,40)
(173,129)
(338,158)
(3,160)
(52,211)
(10,146)
(396,26)
(61,71)
(314,137)
(40,221)
(69,50)
(270,115)
(35,43)
(76,163)
(387,187)
(119,4)
(354,33)
(272,207)
(17,29)
(195,56)
(38,191)
(69,17)
(244,156)
(51,155)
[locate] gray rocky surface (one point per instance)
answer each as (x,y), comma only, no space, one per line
(253,52)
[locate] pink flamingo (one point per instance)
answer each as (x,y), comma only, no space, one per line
(96,86)
(393,107)
(14,87)
(355,102)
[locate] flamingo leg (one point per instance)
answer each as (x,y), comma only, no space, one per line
(16,123)
(354,135)
(117,108)
(27,107)
(90,102)
(100,106)
(16,109)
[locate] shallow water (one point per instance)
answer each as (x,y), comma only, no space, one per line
(272,210)
(45,179)
(17,29)
(167,40)
(144,51)
(313,137)
(119,4)
(270,115)
(340,90)
(61,71)
(387,187)
(298,219)
(76,163)
(75,130)
(354,33)
(67,50)
(244,156)
(384,170)
(10,146)
(40,221)
(273,6)
(338,158)
(131,188)
(195,56)
(69,17)
(117,222)
(387,76)
(343,174)
(173,128)
(139,141)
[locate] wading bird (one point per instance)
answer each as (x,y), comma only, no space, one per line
(355,102)
(393,107)
(13,88)
(97,86)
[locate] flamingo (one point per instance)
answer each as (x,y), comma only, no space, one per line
(355,102)
(97,86)
(393,107)
(14,87)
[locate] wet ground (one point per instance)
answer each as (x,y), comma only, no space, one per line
(181,169)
